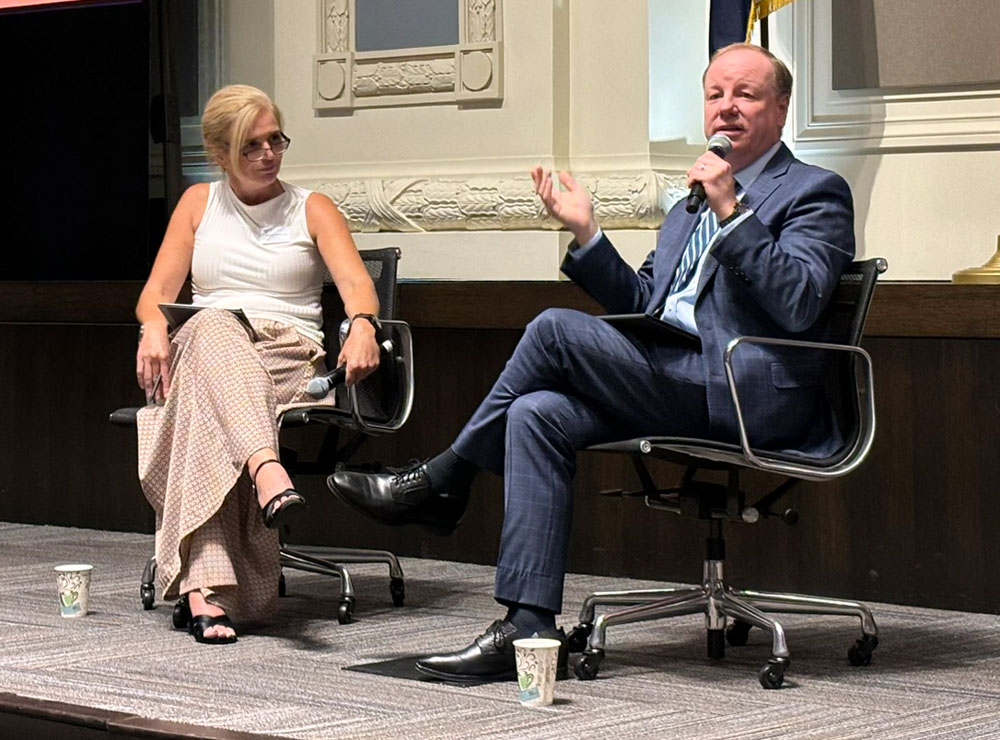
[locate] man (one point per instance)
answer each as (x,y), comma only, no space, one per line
(761,258)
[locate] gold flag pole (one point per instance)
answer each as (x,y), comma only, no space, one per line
(988,273)
(760,9)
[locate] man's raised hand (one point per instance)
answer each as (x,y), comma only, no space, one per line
(572,206)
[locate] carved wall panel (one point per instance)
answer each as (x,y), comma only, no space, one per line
(471,71)
(621,201)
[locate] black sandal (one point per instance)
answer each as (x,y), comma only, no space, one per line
(281,505)
(202,622)
(182,613)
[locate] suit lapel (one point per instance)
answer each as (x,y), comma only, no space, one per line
(669,255)
(770,179)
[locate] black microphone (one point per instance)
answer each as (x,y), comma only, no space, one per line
(720,146)
(319,386)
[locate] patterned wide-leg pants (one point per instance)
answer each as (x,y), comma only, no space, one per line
(226,390)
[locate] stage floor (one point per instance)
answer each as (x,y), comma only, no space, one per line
(934,674)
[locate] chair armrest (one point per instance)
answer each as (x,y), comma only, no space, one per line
(303,415)
(397,362)
(864,398)
(401,359)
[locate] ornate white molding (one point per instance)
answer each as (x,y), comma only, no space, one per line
(481,17)
(405,78)
(634,200)
(874,120)
(468,72)
(336,27)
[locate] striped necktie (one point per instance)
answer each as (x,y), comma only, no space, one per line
(694,249)
(703,234)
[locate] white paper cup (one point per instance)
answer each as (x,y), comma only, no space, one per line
(537,658)
(74,589)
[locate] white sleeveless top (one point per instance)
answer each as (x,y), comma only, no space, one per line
(260,258)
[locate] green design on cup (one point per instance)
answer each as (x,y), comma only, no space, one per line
(69,598)
(524,680)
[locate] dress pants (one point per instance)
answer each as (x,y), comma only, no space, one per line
(572,381)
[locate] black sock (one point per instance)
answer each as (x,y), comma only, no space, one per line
(531,619)
(450,473)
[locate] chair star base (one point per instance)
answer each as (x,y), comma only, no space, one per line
(299,560)
(718,602)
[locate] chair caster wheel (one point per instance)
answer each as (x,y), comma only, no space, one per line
(397,589)
(345,611)
(772,673)
(589,665)
(282,591)
(148,595)
(576,640)
(860,653)
(738,633)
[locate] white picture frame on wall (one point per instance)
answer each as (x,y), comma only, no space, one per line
(931,118)
(470,71)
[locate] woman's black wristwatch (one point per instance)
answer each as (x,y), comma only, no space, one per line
(370,318)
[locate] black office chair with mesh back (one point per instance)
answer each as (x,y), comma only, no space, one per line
(379,404)
(850,385)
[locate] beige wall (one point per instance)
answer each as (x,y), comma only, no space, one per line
(923,162)
(578,93)
(929,213)
(418,139)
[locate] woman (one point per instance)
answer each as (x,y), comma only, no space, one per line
(208,458)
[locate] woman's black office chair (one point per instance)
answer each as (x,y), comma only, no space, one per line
(379,404)
(851,387)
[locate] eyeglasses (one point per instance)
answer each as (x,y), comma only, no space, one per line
(278,144)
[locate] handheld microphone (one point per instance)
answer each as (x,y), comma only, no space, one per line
(720,146)
(319,386)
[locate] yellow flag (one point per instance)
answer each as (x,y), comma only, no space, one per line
(761,8)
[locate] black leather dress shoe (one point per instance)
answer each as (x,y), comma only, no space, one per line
(489,658)
(401,497)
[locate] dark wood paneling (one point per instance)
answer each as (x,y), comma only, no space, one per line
(900,309)
(63,463)
(935,310)
(68,302)
(917,309)
(913,525)
(486,305)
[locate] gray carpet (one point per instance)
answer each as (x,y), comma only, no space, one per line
(935,674)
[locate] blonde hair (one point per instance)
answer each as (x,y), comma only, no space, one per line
(229,115)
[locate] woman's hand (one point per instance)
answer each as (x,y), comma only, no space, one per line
(173,262)
(152,368)
(359,353)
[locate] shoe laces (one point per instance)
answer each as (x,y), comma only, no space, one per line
(405,477)
(495,630)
